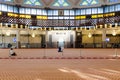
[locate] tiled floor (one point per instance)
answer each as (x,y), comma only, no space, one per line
(59,69)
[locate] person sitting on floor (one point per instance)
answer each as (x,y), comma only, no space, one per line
(12,53)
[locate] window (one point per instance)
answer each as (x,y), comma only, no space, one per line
(77,12)
(33,2)
(61,3)
(82,11)
(10,8)
(88,11)
(71,12)
(89,2)
(33,11)
(39,12)
(94,10)
(22,10)
(55,12)
(113,0)
(112,8)
(27,10)
(106,9)
(4,7)
(50,12)
(100,10)
(44,12)
(66,12)
(8,0)
(0,7)
(117,7)
(15,10)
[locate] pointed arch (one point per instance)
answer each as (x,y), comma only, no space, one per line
(61,3)
(33,2)
(89,2)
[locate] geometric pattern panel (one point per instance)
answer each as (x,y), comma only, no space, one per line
(71,22)
(61,3)
(67,23)
(89,2)
(33,2)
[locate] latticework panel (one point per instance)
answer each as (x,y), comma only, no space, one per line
(72,23)
(55,22)
(66,23)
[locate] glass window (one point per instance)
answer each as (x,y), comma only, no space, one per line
(72,12)
(15,10)
(10,8)
(100,10)
(113,0)
(82,11)
(39,12)
(44,12)
(50,12)
(66,12)
(33,11)
(55,12)
(112,8)
(4,7)
(94,11)
(27,10)
(117,7)
(77,12)
(0,7)
(106,9)
(88,11)
(22,10)
(8,0)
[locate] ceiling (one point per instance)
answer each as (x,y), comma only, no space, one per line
(48,3)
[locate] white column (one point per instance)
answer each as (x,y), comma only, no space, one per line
(18,38)
(104,38)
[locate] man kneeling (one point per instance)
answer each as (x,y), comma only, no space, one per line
(12,53)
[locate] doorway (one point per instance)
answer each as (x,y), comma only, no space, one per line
(61,42)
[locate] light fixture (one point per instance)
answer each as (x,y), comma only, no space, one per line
(89,35)
(114,33)
(33,35)
(8,33)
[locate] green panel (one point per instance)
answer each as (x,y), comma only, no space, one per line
(89,2)
(61,3)
(33,2)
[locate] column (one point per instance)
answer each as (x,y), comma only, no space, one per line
(104,38)
(18,39)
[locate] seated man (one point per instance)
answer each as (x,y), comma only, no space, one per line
(12,53)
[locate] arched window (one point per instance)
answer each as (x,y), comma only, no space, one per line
(61,3)
(113,0)
(7,0)
(33,2)
(89,2)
